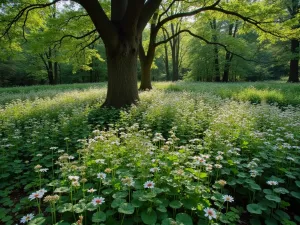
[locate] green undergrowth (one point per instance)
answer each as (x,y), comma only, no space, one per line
(186,143)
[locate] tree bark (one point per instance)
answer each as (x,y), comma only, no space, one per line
(228,57)
(216,51)
(166,59)
(294,63)
(122,76)
(55,72)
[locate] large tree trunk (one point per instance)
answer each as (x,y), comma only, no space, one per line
(294,63)
(122,77)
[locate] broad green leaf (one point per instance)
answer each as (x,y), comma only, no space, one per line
(149,218)
(175,204)
(254,209)
(99,217)
(37,221)
(184,218)
(273,198)
(126,208)
(295,194)
(67,207)
(117,202)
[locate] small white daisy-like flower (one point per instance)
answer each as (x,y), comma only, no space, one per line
(60,151)
(91,190)
(272,182)
(100,161)
(149,184)
(73,178)
(75,183)
(227,198)
(44,170)
(210,213)
(39,155)
(101,176)
(200,160)
(154,169)
(71,157)
(98,201)
(35,195)
(128,181)
(27,218)
(219,157)
(42,191)
(219,166)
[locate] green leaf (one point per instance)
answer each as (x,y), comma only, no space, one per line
(62,190)
(149,218)
(117,202)
(184,218)
(62,223)
(255,186)
(270,221)
(79,208)
(295,194)
(297,183)
(136,203)
(189,203)
(282,214)
(255,222)
(168,221)
(281,190)
(161,208)
(67,207)
(268,191)
(273,198)
(175,204)
(254,209)
(91,207)
(99,217)
(126,208)
(37,221)
(120,194)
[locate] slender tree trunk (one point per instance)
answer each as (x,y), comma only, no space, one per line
(55,72)
(166,59)
(50,73)
(146,74)
(122,76)
(216,51)
(228,57)
(146,62)
(294,63)
(226,67)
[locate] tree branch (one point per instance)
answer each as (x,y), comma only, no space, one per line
(26,10)
(247,19)
(185,14)
(205,40)
(59,42)
(148,10)
(103,25)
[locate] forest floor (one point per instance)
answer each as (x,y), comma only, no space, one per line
(188,153)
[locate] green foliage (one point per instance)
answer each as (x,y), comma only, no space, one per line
(255,142)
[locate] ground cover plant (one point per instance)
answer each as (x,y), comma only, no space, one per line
(179,157)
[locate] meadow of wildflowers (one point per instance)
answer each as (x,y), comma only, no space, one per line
(176,158)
